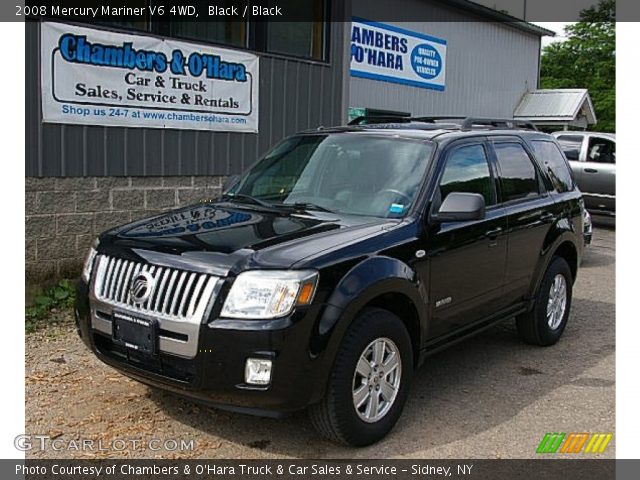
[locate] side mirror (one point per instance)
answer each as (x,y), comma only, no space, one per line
(461,207)
(229,182)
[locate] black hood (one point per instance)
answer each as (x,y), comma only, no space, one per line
(228,236)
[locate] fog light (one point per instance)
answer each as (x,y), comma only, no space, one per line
(257,371)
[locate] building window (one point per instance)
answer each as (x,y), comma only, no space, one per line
(304,39)
(299,39)
(226,33)
(129,25)
(143,24)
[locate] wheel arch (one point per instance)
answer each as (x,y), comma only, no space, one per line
(380,282)
(569,252)
(564,247)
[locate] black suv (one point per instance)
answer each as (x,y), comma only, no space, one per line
(327,273)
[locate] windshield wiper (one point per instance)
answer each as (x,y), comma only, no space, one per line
(273,206)
(304,206)
(249,199)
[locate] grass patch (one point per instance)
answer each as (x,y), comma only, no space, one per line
(61,296)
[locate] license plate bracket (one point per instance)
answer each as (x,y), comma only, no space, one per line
(135,332)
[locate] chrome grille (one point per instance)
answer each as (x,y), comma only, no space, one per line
(177,295)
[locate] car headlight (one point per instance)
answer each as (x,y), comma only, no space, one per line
(264,294)
(88,262)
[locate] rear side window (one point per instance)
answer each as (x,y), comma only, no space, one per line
(571,145)
(518,177)
(555,164)
(467,171)
(601,150)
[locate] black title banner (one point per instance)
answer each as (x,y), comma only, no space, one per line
(116,469)
(143,11)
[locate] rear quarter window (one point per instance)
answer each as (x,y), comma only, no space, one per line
(550,156)
(571,145)
(518,176)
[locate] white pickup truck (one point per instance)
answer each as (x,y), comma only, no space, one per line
(592,157)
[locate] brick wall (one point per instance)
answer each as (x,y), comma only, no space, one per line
(64,215)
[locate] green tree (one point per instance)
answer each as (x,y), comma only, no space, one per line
(587,59)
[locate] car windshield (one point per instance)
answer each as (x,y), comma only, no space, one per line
(349,173)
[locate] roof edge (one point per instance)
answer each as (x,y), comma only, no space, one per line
(585,100)
(492,14)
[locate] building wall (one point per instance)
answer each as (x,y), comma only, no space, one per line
(294,95)
(489,66)
(64,215)
(81,180)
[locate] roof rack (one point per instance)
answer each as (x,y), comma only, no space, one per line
(505,123)
(466,123)
(373,119)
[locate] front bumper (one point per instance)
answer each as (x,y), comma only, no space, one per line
(215,375)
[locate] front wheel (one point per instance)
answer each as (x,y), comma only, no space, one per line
(544,324)
(369,383)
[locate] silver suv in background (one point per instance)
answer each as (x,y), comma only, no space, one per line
(592,157)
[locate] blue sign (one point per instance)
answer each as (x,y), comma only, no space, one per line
(392,54)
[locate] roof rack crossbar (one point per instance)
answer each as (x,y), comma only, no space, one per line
(370,119)
(507,123)
(435,118)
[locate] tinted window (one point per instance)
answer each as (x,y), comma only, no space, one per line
(467,170)
(348,173)
(300,39)
(229,33)
(517,174)
(307,39)
(219,31)
(555,164)
(601,150)
(571,145)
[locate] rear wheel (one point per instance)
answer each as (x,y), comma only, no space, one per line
(369,383)
(546,321)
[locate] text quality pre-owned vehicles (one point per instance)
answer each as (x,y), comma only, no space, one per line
(328,272)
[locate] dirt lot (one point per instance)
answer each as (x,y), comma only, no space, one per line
(490,397)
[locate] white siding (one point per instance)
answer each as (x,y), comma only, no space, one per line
(489,66)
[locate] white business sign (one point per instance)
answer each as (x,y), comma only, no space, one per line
(98,77)
(393,54)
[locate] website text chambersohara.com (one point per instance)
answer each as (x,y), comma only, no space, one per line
(150,115)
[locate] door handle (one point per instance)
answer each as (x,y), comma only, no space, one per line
(590,170)
(547,217)
(493,234)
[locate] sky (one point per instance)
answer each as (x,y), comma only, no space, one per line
(557,27)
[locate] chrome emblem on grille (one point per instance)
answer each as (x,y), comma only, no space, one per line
(141,287)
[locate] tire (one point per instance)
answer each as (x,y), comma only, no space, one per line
(536,327)
(336,416)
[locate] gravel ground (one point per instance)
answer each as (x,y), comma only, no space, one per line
(489,397)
